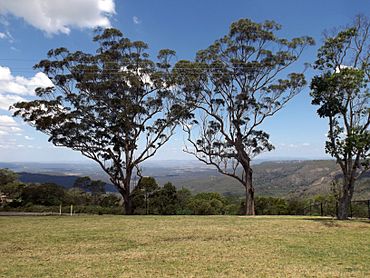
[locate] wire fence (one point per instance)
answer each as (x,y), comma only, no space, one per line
(357,208)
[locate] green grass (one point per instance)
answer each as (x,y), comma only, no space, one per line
(159,246)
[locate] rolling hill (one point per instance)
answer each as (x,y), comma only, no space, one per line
(301,178)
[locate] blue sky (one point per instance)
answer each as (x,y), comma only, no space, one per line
(29,28)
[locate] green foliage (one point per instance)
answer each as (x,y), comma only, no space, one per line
(45,197)
(110,200)
(12,190)
(143,196)
(7,176)
(271,206)
(343,99)
(96,187)
(183,197)
(342,94)
(104,104)
(10,187)
(77,196)
(47,194)
(166,199)
(235,84)
(296,206)
(283,206)
(239,67)
(207,203)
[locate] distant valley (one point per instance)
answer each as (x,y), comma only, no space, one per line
(300,178)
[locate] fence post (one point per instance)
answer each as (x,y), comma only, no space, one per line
(321,209)
(350,208)
(368,208)
(71,210)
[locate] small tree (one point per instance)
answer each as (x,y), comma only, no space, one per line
(183,197)
(10,187)
(7,176)
(96,187)
(166,199)
(207,203)
(235,85)
(104,104)
(342,93)
(47,194)
(143,195)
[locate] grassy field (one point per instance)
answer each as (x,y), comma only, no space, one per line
(159,246)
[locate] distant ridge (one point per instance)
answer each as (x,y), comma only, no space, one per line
(299,178)
(63,180)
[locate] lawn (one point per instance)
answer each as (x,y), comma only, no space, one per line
(183,246)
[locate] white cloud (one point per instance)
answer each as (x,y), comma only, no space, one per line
(136,20)
(59,16)
(28,137)
(8,128)
(15,129)
(15,88)
(7,100)
(6,36)
(7,121)
(2,133)
(293,145)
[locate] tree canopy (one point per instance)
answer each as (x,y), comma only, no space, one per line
(342,94)
(235,85)
(114,106)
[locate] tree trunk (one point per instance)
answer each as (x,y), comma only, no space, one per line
(249,193)
(343,207)
(127,203)
(345,200)
(128,206)
(124,189)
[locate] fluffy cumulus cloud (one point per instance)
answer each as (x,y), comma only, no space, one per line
(7,121)
(8,128)
(16,88)
(59,16)
(7,100)
(13,89)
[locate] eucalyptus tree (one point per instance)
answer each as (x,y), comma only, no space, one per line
(342,94)
(113,106)
(235,85)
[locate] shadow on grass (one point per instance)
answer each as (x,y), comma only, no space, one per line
(336,223)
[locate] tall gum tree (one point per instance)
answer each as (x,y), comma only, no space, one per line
(235,85)
(342,94)
(114,106)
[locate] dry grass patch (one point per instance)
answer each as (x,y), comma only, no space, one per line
(183,246)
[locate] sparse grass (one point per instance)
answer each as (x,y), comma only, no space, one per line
(183,246)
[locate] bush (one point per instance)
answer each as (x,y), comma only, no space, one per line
(46,194)
(207,203)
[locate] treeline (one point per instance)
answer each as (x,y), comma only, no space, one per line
(86,196)
(148,198)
